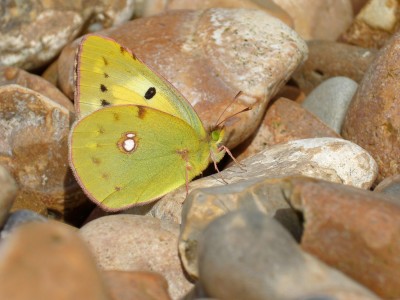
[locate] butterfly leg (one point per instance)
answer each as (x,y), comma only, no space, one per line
(183,154)
(216,167)
(221,148)
(187,179)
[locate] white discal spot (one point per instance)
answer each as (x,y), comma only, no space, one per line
(129,145)
(128,142)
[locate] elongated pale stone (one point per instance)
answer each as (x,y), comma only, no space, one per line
(330,159)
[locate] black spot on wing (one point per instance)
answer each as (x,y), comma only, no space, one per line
(105,60)
(151,92)
(106,75)
(103,88)
(104,102)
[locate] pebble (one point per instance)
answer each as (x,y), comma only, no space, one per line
(204,205)
(374,24)
(34,147)
(34,34)
(373,117)
(247,255)
(12,75)
(320,20)
(330,100)
(353,230)
(132,243)
(48,260)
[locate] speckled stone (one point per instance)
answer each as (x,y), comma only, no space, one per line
(373,117)
(138,243)
(353,230)
(374,24)
(34,147)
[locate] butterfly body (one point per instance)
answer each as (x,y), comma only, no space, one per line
(137,138)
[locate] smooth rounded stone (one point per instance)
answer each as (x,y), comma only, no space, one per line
(209,56)
(153,7)
(247,255)
(373,117)
(206,204)
(34,147)
(390,186)
(319,20)
(34,33)
(48,261)
(284,121)
(331,159)
(18,218)
(13,75)
(330,100)
(51,74)
(138,243)
(353,230)
(8,192)
(328,59)
(125,285)
(374,24)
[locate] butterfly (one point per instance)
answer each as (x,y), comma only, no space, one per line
(137,138)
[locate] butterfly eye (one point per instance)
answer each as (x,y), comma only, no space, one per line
(215,135)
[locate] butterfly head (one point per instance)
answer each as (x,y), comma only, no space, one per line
(217,135)
(216,139)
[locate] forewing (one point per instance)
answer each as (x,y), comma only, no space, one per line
(109,74)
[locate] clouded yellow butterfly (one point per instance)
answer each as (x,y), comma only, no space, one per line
(137,137)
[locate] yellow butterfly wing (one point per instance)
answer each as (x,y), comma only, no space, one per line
(127,155)
(109,74)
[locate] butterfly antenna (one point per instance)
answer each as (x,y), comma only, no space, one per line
(226,108)
(236,113)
